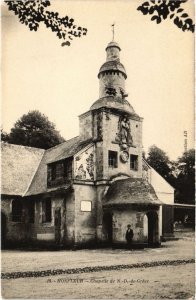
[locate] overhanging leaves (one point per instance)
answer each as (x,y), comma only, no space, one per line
(162,9)
(32,13)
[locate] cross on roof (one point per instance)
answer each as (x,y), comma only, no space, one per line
(113,31)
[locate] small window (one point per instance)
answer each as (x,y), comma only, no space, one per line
(46,211)
(86,205)
(51,172)
(59,172)
(113,159)
(17,208)
(134,162)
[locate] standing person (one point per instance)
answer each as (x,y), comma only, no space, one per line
(129,236)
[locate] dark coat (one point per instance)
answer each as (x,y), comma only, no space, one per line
(129,235)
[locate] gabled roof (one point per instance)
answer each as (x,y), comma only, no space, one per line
(18,166)
(24,169)
(57,153)
(131,191)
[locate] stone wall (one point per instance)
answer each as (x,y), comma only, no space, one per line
(120,221)
(112,79)
(103,126)
(69,236)
(101,190)
(85,221)
(85,125)
(59,232)
(110,133)
(15,231)
(99,161)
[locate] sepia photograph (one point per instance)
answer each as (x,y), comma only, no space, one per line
(97,149)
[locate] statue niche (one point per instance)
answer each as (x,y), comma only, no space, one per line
(123,137)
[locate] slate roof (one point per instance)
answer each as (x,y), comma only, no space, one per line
(131,191)
(18,166)
(59,152)
(115,103)
(112,65)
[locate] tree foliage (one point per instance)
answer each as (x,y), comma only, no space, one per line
(162,9)
(4,136)
(159,160)
(33,12)
(34,130)
(180,173)
(185,181)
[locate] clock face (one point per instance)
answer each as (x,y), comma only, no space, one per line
(124,156)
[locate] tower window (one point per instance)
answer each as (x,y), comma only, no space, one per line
(134,162)
(113,159)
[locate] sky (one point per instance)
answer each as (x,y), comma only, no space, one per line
(62,83)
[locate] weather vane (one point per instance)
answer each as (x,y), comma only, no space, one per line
(113,31)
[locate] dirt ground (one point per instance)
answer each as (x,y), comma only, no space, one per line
(169,282)
(16,260)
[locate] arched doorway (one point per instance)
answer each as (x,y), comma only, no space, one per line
(153,228)
(107,227)
(3,230)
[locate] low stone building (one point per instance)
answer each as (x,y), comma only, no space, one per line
(85,191)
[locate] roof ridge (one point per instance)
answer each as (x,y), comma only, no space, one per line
(146,163)
(21,146)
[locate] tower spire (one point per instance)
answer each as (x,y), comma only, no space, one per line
(113,31)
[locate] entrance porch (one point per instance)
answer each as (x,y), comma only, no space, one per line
(131,202)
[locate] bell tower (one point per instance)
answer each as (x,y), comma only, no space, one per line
(112,124)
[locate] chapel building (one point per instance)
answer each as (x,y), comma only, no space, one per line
(85,191)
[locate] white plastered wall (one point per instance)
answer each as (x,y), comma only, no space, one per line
(164,191)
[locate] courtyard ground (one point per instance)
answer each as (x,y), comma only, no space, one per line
(152,282)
